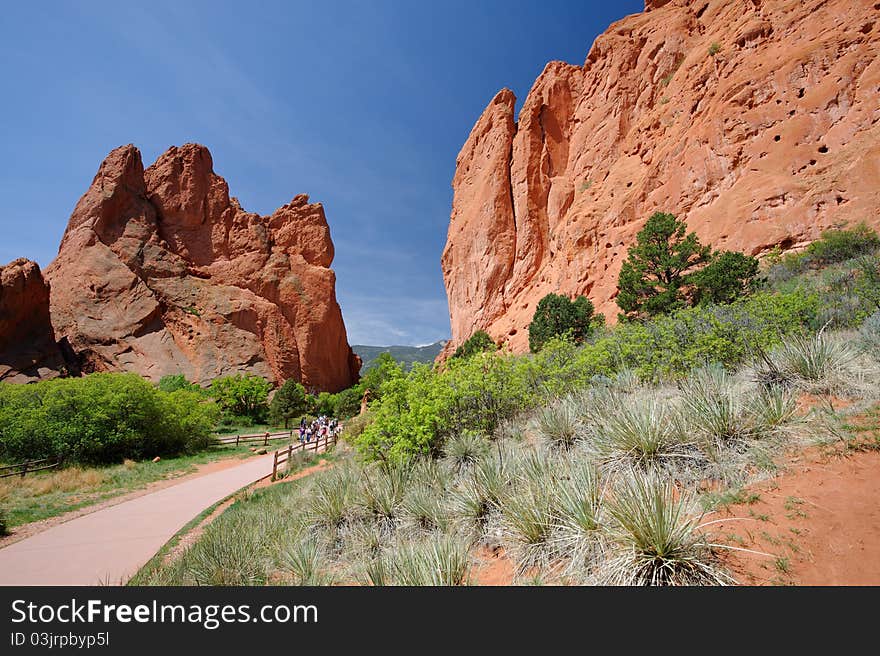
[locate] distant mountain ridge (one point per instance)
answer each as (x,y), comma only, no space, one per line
(406,355)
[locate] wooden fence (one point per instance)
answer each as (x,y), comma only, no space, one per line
(28,467)
(262,438)
(283,455)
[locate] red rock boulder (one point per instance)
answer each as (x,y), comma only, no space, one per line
(28,350)
(756,122)
(160,271)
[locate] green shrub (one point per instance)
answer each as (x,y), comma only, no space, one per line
(714,48)
(347,403)
(288,403)
(101,418)
(174,382)
(558,315)
(725,278)
(242,395)
(420,410)
(652,278)
(479,342)
(840,245)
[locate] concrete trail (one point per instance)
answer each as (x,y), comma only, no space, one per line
(110,545)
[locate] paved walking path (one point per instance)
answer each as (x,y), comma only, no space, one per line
(110,545)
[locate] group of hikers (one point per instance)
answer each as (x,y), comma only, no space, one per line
(318,428)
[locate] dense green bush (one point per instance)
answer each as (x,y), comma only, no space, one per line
(174,382)
(725,278)
(348,402)
(101,418)
(242,395)
(420,409)
(557,315)
(653,277)
(479,342)
(840,245)
(834,246)
(289,402)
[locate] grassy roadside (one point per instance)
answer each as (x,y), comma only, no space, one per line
(51,493)
(153,570)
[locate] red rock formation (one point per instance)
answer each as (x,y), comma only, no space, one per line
(758,122)
(161,271)
(28,350)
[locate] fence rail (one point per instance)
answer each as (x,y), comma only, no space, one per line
(28,467)
(263,438)
(283,455)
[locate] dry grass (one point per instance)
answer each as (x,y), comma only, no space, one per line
(70,479)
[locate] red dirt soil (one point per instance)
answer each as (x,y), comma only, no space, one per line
(819,522)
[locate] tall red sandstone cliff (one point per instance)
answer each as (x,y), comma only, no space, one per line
(756,121)
(160,271)
(28,350)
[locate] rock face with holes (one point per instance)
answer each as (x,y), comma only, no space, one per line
(758,122)
(28,350)
(160,272)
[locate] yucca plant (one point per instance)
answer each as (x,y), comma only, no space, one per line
(423,509)
(382,493)
(332,498)
(475,498)
(527,523)
(869,336)
(439,561)
(655,537)
(557,424)
(226,554)
(376,572)
(719,415)
(464,449)
(774,406)
(821,363)
(531,468)
(577,504)
(302,560)
(626,380)
(639,432)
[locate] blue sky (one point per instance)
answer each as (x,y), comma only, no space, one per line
(362,105)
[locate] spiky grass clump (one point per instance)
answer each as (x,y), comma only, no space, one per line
(716,409)
(774,406)
(438,561)
(464,449)
(577,508)
(639,432)
(302,560)
(382,493)
(423,509)
(478,496)
(332,498)
(655,538)
(227,554)
(869,336)
(818,363)
(527,523)
(557,424)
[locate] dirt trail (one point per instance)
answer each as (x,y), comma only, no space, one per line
(109,545)
(819,523)
(32,528)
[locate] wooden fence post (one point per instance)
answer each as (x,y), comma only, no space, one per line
(237,438)
(275,466)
